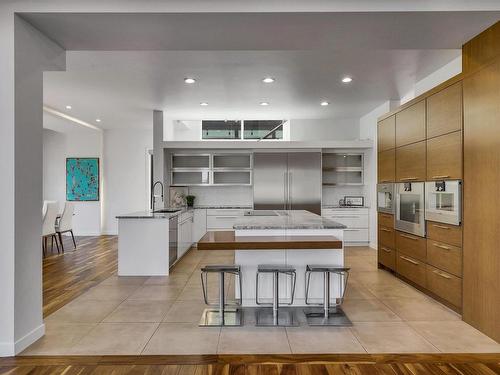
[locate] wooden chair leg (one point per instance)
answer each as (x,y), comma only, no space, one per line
(73,237)
(43,246)
(52,244)
(61,241)
(57,243)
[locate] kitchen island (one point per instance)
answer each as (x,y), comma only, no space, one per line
(293,237)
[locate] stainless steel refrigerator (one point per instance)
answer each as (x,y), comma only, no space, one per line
(287,181)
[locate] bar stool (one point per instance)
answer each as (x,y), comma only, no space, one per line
(328,315)
(220,316)
(275,316)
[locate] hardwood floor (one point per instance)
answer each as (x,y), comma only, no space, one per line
(67,276)
(414,364)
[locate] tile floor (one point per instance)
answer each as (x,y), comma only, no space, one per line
(159,315)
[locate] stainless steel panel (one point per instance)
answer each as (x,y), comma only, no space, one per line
(443,201)
(410,208)
(385,198)
(173,241)
(304,181)
(269,181)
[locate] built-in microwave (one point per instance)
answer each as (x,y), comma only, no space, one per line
(385,198)
(443,201)
(410,208)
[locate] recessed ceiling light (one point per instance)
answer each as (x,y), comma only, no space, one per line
(268,80)
(347,79)
(97,120)
(68,107)
(324,103)
(204,104)
(264,104)
(189,80)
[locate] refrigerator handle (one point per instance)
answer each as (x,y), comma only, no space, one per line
(285,191)
(289,189)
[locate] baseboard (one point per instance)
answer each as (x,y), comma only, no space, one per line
(109,233)
(84,234)
(11,349)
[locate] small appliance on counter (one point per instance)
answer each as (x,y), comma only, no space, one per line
(352,201)
(443,201)
(385,198)
(410,208)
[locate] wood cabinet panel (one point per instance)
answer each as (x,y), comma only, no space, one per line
(386,166)
(450,234)
(411,268)
(386,236)
(410,162)
(444,111)
(386,220)
(386,134)
(387,257)
(445,257)
(411,245)
(410,124)
(444,157)
(444,285)
(481,268)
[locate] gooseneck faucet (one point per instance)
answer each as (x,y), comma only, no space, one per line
(153,197)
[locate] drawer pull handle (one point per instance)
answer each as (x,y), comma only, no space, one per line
(227,217)
(385,230)
(442,275)
(441,226)
(409,260)
(409,237)
(386,249)
(440,177)
(346,217)
(409,178)
(442,247)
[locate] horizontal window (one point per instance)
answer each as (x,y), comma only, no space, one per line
(220,129)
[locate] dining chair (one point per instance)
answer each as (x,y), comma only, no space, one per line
(48,225)
(65,223)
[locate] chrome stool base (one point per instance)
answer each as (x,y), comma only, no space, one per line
(332,317)
(284,317)
(212,318)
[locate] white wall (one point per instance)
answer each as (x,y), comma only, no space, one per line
(126,174)
(222,195)
(56,148)
(324,129)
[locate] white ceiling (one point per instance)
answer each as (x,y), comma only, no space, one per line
(229,54)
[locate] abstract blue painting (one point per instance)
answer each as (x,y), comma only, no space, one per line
(82,179)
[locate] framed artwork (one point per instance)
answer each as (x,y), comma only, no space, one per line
(82,179)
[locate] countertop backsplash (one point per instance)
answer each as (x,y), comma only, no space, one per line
(222,195)
(332,195)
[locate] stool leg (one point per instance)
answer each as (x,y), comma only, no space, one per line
(326,294)
(275,297)
(221,297)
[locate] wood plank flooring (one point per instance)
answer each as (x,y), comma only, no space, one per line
(411,364)
(67,276)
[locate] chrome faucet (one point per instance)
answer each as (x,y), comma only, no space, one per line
(153,197)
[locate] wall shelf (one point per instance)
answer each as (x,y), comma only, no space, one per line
(342,169)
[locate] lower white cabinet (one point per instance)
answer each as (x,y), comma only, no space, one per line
(355,219)
(184,235)
(223,219)
(199,224)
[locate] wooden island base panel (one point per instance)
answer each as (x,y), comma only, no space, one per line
(227,240)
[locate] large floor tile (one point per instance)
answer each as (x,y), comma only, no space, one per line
(115,338)
(139,311)
(411,309)
(174,279)
(368,310)
(110,292)
(391,337)
(456,336)
(125,280)
(59,338)
(253,340)
(183,339)
(194,293)
(185,312)
(375,276)
(84,311)
(156,293)
(358,291)
(383,291)
(323,340)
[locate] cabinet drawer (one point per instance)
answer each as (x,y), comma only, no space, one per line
(386,171)
(445,257)
(445,285)
(387,257)
(411,268)
(444,157)
(386,220)
(410,124)
(411,245)
(386,236)
(348,211)
(450,234)
(221,222)
(410,162)
(350,221)
(444,111)
(227,212)
(185,215)
(356,235)
(386,134)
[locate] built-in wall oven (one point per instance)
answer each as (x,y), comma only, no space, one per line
(385,198)
(410,209)
(443,201)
